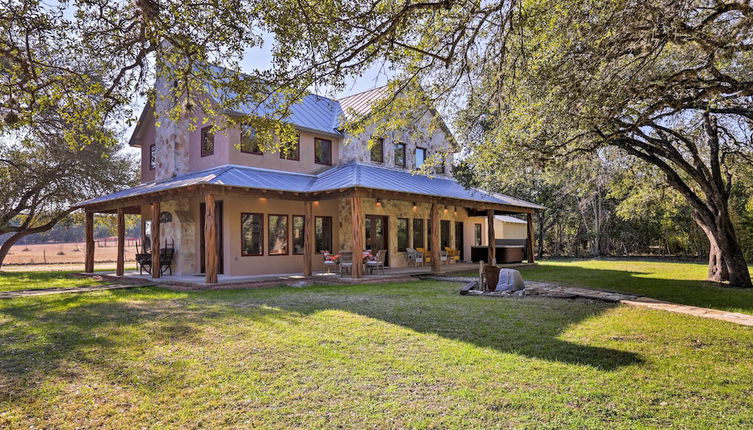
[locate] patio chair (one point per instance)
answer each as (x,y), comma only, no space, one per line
(330,261)
(346,262)
(144,258)
(415,257)
(426,255)
(166,258)
(377,262)
(443,257)
(453,255)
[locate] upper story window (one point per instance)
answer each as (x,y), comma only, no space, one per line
(377,151)
(249,142)
(420,156)
(291,152)
(400,154)
(323,151)
(207,141)
(152,157)
(440,167)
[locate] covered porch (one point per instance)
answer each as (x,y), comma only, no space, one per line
(305,218)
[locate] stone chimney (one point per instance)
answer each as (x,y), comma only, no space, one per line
(171,137)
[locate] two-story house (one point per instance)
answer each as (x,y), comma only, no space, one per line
(229,208)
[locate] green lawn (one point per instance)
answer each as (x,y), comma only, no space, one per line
(675,282)
(13,281)
(365,356)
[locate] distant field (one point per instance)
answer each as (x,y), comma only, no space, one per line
(63,253)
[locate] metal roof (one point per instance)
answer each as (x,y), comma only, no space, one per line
(360,103)
(509,218)
(339,177)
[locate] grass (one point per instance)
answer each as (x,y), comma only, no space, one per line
(411,355)
(14,281)
(674,282)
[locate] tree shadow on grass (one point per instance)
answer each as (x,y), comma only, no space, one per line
(683,291)
(39,335)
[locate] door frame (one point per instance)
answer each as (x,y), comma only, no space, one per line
(386,233)
(460,238)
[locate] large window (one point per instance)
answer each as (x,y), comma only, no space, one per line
(402,234)
(252,234)
(299,224)
(420,157)
(292,150)
(323,233)
(477,234)
(249,142)
(444,236)
(400,154)
(207,141)
(418,233)
(377,151)
(323,151)
(278,235)
(152,157)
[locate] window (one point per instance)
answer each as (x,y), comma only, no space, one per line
(402,234)
(249,142)
(291,152)
(252,234)
(428,234)
(420,156)
(323,152)
(323,233)
(299,224)
(477,234)
(444,233)
(207,141)
(418,233)
(152,157)
(278,235)
(377,151)
(400,154)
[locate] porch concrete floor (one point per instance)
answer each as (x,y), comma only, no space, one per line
(197,281)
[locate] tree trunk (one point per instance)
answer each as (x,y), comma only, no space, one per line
(5,248)
(726,260)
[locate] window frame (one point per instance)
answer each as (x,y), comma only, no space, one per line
(319,251)
(407,234)
(240,148)
(478,234)
(415,156)
(261,247)
(205,134)
(303,234)
(329,142)
(152,156)
(404,149)
(380,145)
(269,235)
(297,151)
(413,233)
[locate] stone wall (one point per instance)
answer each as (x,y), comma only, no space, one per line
(171,137)
(182,231)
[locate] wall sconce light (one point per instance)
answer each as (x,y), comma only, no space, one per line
(379,203)
(415,205)
(445,208)
(456,209)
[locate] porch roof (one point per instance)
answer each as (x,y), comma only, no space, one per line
(351,175)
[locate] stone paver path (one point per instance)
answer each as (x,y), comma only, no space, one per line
(546,289)
(48,291)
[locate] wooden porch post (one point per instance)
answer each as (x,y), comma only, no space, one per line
(156,269)
(89,231)
(308,236)
(121,243)
(210,240)
(357,248)
(492,239)
(529,240)
(143,229)
(436,264)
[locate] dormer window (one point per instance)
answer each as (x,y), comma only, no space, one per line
(377,151)
(420,156)
(400,154)
(291,152)
(249,142)
(207,141)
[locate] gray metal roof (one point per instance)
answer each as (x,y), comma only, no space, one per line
(509,218)
(339,177)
